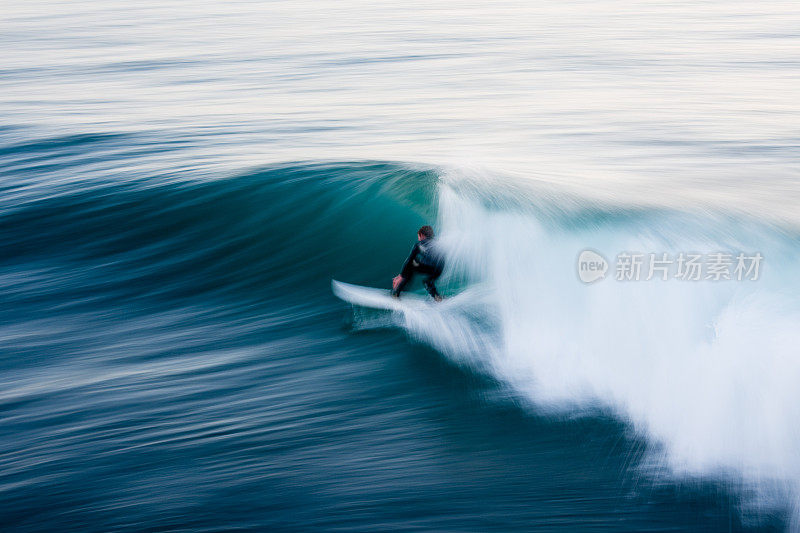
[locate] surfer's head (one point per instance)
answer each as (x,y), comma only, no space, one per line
(425,232)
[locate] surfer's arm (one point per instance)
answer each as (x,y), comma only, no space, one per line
(411,257)
(398,279)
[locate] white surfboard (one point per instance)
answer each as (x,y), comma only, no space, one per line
(379,298)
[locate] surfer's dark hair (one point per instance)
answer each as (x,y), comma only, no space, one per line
(426,231)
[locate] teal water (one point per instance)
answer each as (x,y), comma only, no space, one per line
(179,183)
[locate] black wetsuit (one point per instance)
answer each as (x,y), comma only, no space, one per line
(425,258)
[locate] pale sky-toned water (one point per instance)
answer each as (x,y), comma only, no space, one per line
(637,102)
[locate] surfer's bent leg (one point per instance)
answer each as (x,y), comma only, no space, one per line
(430,281)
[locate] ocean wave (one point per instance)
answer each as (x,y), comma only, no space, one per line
(706,371)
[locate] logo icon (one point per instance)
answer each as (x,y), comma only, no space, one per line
(591,266)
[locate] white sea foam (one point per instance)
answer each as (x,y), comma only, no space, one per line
(707,372)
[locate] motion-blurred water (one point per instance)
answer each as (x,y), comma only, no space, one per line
(181,181)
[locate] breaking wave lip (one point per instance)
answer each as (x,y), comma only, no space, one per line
(706,371)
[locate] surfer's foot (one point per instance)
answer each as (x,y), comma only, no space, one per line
(396,296)
(438,298)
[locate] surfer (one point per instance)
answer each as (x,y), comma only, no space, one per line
(425,258)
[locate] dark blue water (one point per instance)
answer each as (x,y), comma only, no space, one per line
(180,184)
(173,358)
